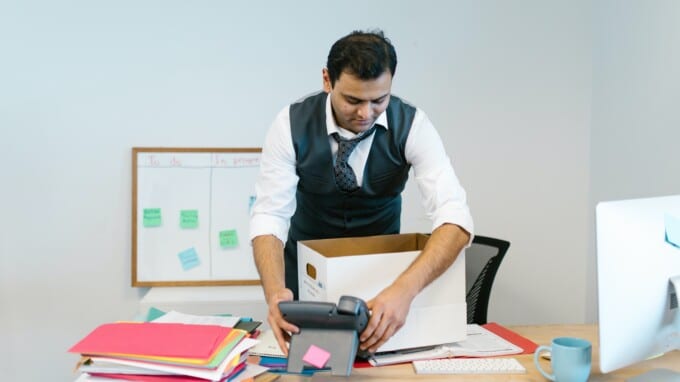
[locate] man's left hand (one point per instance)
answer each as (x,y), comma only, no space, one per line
(388,314)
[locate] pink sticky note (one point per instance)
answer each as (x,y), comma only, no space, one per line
(316,356)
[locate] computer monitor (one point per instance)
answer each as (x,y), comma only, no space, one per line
(636,261)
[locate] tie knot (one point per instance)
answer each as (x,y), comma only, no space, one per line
(355,140)
(344,174)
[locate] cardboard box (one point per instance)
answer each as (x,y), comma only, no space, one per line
(364,266)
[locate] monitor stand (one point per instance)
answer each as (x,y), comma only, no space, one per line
(657,375)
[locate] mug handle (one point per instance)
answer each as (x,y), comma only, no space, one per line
(537,353)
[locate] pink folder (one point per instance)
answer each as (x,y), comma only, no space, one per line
(155,339)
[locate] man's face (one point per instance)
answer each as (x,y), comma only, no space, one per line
(357,103)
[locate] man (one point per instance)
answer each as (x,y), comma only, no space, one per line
(314,183)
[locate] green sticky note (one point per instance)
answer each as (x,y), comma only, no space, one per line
(188,219)
(152,217)
(228,238)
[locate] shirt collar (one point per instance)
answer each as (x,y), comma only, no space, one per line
(332,127)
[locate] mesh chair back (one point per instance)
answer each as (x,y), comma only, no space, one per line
(482,261)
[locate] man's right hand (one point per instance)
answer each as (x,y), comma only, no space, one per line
(280,327)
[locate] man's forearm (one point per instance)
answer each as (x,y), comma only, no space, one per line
(268,254)
(441,250)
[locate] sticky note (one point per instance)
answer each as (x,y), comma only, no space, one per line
(189,259)
(228,238)
(672,224)
(188,219)
(316,356)
(251,201)
(152,217)
(153,314)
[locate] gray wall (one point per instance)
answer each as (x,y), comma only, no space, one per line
(531,98)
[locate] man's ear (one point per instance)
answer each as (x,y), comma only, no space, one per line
(326,80)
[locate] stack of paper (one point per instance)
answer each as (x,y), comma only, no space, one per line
(159,352)
(267,347)
(480,342)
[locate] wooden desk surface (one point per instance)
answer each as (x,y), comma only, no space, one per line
(541,334)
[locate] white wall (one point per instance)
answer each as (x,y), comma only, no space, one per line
(636,90)
(636,151)
(508,84)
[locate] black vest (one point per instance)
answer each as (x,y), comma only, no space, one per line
(323,211)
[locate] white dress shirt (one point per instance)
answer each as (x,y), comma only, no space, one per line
(443,197)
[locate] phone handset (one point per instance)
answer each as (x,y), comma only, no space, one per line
(350,313)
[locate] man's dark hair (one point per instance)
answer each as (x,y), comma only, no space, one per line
(365,55)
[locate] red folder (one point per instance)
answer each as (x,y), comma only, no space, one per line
(153,339)
(526,344)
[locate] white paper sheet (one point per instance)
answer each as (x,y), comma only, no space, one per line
(183,318)
(268,346)
(480,342)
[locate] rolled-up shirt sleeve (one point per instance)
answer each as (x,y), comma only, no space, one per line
(444,199)
(275,187)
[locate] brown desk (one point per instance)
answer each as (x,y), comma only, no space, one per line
(541,334)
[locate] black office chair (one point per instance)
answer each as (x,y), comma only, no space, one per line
(482,260)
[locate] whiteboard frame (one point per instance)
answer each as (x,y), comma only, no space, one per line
(182,150)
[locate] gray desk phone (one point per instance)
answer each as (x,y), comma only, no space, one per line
(334,328)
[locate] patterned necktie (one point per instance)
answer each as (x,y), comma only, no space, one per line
(344,175)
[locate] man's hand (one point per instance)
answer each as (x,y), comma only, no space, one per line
(278,325)
(388,314)
(390,307)
(268,254)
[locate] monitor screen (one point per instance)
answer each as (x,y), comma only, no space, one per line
(636,260)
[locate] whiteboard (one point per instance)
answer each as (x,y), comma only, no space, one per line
(190,216)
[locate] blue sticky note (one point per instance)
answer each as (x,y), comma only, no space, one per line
(189,259)
(672,224)
(251,201)
(153,314)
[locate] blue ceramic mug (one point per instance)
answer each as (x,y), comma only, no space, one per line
(570,359)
